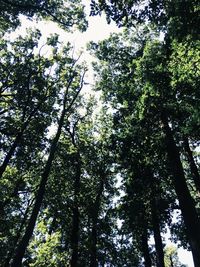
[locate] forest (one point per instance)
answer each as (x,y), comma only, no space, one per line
(99,180)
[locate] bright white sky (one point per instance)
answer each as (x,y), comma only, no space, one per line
(98,30)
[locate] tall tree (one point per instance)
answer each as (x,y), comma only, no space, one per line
(146,81)
(71,87)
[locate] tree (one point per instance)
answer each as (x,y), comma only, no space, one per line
(82,187)
(65,13)
(171,257)
(27,92)
(28,95)
(72,85)
(146,81)
(177,18)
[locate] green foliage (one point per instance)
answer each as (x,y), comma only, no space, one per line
(109,176)
(65,13)
(184,65)
(30,96)
(178,17)
(140,81)
(171,257)
(45,249)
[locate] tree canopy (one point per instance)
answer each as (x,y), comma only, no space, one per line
(89,181)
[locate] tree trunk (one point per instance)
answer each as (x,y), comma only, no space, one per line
(16,142)
(171,261)
(22,246)
(17,237)
(93,252)
(75,237)
(20,250)
(157,235)
(95,214)
(186,202)
(193,167)
(10,153)
(145,250)
(76,215)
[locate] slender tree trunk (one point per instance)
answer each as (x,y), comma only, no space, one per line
(10,153)
(145,250)
(76,215)
(171,261)
(75,237)
(93,248)
(17,238)
(186,202)
(22,246)
(193,167)
(16,142)
(95,214)
(157,235)
(20,250)
(93,252)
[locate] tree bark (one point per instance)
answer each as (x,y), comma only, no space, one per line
(75,237)
(193,167)
(76,215)
(95,214)
(186,202)
(145,250)
(157,235)
(93,252)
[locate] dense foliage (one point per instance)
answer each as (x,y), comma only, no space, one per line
(99,183)
(65,13)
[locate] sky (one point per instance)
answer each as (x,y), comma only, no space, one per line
(98,30)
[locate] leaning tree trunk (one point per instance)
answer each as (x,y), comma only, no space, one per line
(186,202)
(20,251)
(23,244)
(193,167)
(157,235)
(16,142)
